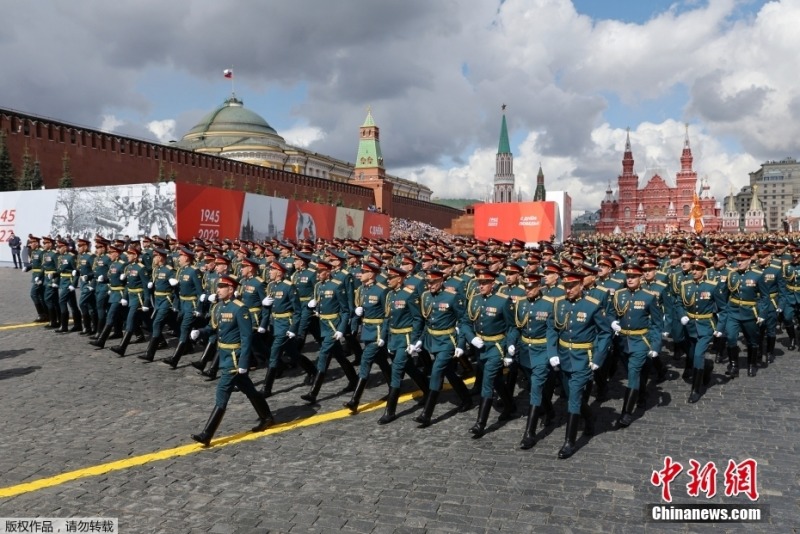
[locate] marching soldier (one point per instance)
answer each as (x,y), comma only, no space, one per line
(719,273)
(747,305)
(791,271)
(772,273)
(99,278)
(232,323)
(137,299)
(304,279)
(67,281)
(37,279)
(578,334)
(163,297)
(116,287)
(221,267)
(50,267)
(638,321)
(87,302)
(187,282)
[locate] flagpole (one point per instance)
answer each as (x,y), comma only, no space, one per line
(233,90)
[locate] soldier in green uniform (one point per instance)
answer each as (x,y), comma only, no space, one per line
(50,268)
(137,299)
(116,287)
(578,334)
(638,322)
(304,279)
(330,303)
(747,305)
(772,273)
(719,273)
(99,280)
(442,311)
(163,297)
(791,309)
(221,264)
(490,330)
(37,279)
(67,282)
(87,302)
(187,282)
(231,321)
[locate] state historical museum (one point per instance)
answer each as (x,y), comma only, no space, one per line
(657,207)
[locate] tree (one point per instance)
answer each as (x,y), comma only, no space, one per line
(26,175)
(173,175)
(7,181)
(66,174)
(38,179)
(162,176)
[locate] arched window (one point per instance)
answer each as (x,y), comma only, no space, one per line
(686,209)
(627,213)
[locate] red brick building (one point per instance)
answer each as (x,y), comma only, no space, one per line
(658,206)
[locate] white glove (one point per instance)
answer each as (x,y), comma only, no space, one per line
(149,285)
(194,334)
(554,362)
(410,350)
(84,278)
(123,276)
(417,346)
(778,310)
(242,371)
(212,297)
(91,288)
(53,285)
(290,334)
(267,301)
(74,272)
(202,297)
(507,361)
(615,326)
(458,353)
(381,342)
(477,342)
(173,282)
(196,313)
(312,303)
(593,366)
(337,335)
(717,333)
(123,302)
(360,311)
(653,354)
(236,294)
(101,278)
(511,350)
(71,287)
(145,309)
(759,320)
(684,320)
(261,330)
(37,280)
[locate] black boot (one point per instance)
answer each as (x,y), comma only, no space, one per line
(269,380)
(790,331)
(352,404)
(87,326)
(391,407)
(63,327)
(180,350)
(770,351)
(733,362)
(697,381)
(212,425)
(126,340)
(100,342)
(478,429)
(311,396)
(529,438)
(77,323)
(628,405)
(211,373)
(476,386)
(588,420)
(265,419)
(55,318)
(752,360)
(463,394)
(41,313)
(572,433)
(424,419)
(151,350)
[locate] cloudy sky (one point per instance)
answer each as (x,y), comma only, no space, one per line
(574,76)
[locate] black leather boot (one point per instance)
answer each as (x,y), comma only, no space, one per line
(790,331)
(180,350)
(87,326)
(151,350)
(628,406)
(770,351)
(311,396)
(269,380)
(212,425)
(529,437)
(77,323)
(463,395)
(568,449)
(211,372)
(63,326)
(265,419)
(424,419)
(588,420)
(126,340)
(352,404)
(697,381)
(752,361)
(391,407)
(485,407)
(100,342)
(733,362)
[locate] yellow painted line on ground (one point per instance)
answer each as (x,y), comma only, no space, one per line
(14,326)
(183,450)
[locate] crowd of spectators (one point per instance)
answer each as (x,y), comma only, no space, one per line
(405,229)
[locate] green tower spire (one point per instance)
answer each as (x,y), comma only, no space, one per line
(540,195)
(369,145)
(505,146)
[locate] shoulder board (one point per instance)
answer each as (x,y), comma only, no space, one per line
(408,289)
(601,288)
(288,281)
(260,279)
(650,292)
(450,289)
(592,299)
(501,294)
(345,271)
(337,282)
(556,299)
(688,281)
(757,271)
(380,285)
(548,299)
(238,303)
(660,283)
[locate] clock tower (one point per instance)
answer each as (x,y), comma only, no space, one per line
(369,170)
(504,166)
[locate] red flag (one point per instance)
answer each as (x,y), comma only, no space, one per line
(349,220)
(228,73)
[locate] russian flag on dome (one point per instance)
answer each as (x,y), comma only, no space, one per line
(228,73)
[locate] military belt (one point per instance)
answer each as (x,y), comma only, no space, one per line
(230,346)
(448,331)
(329,316)
(66,275)
(492,338)
(793,288)
(571,345)
(163,293)
(135,290)
(116,288)
(255,309)
(639,332)
(534,340)
(36,270)
(284,315)
(406,330)
(743,302)
(188,298)
(305,299)
(773,295)
(700,315)
(373,321)
(49,272)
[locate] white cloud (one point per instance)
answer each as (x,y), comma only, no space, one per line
(164,130)
(302,136)
(110,123)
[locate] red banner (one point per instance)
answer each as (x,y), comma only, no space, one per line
(376,226)
(208,212)
(528,221)
(305,220)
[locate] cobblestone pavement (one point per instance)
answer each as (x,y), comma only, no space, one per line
(66,407)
